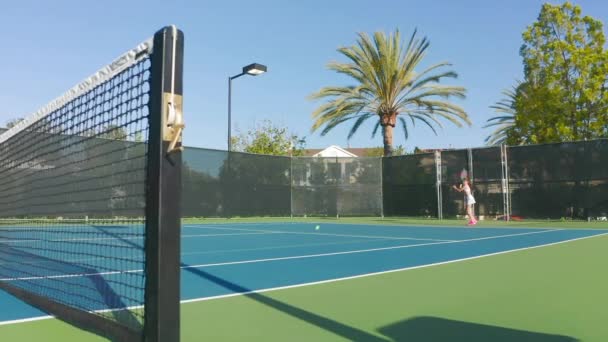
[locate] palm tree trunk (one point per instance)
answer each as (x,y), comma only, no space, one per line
(387,134)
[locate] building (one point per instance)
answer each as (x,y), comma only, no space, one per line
(338,152)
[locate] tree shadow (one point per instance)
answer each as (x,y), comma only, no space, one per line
(434,329)
(338,328)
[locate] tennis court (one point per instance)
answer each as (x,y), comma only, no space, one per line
(222,260)
(101,226)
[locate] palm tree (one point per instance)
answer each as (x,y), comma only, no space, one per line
(504,123)
(388,88)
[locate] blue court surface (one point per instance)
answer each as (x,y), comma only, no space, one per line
(221,260)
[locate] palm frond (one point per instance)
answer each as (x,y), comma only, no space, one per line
(505,122)
(358,124)
(376,129)
(404,127)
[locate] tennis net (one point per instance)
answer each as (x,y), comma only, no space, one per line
(79,196)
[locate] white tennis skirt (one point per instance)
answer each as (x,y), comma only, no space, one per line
(470,200)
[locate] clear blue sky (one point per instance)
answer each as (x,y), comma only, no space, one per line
(48,46)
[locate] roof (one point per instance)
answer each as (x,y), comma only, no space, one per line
(433,150)
(334,151)
(351,152)
(312,151)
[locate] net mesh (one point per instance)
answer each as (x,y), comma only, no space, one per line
(452,165)
(596,166)
(336,186)
(73,200)
(566,180)
(409,185)
(222,184)
(487,181)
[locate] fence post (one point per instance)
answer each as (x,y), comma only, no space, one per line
(291,185)
(470,157)
(506,195)
(438,185)
(382,187)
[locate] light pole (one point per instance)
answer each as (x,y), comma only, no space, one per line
(251,69)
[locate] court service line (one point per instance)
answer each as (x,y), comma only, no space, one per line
(75,275)
(319,244)
(327,234)
(229,234)
(186,301)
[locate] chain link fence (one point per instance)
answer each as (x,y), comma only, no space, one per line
(551,181)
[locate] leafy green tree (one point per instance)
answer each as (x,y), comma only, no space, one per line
(379,151)
(271,139)
(113,132)
(565,68)
(388,86)
(538,118)
(13,122)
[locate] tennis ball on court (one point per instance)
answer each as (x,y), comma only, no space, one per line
(317,227)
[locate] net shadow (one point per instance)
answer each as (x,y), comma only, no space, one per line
(88,287)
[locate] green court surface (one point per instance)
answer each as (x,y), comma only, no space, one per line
(554,293)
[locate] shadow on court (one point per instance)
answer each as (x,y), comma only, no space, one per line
(428,329)
(433,329)
(340,329)
(61,281)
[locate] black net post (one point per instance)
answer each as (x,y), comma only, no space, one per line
(164,192)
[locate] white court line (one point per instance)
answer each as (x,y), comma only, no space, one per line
(186,301)
(228,234)
(121,238)
(122,245)
(226,250)
(286,246)
(24,241)
(324,234)
(72,275)
(64,276)
(25,320)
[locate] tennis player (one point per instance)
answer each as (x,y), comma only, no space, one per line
(466,187)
